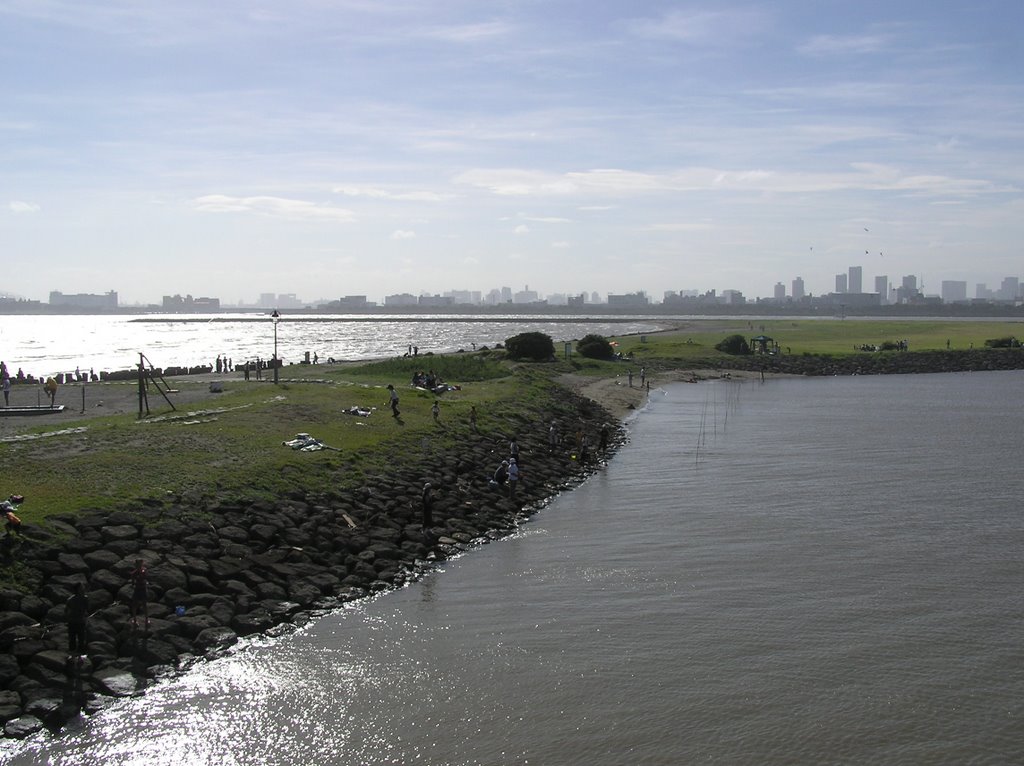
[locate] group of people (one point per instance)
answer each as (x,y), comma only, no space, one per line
(50,383)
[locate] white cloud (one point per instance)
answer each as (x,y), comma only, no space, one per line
(547,219)
(840,45)
(412,196)
(403,234)
(561,245)
(522,229)
(18,207)
(702,27)
(276,207)
(468,33)
(681,227)
(622,183)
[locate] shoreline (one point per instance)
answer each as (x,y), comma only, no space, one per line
(225,567)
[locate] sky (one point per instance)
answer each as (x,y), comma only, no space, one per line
(362,147)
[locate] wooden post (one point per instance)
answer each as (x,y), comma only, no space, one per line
(143,399)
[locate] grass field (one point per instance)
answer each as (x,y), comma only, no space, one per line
(235,445)
(696,340)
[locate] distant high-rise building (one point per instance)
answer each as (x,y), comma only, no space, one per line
(855,282)
(953,291)
(842,285)
(798,289)
(910,282)
(882,288)
(506,295)
(981,291)
(1009,290)
(780,291)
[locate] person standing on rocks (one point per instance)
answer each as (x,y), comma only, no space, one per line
(472,417)
(393,396)
(140,593)
(513,477)
(436,410)
(7,390)
(500,475)
(428,506)
(602,445)
(76,611)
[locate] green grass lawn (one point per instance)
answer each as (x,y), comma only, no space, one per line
(238,448)
(816,336)
(235,445)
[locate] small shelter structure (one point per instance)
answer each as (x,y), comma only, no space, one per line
(762,344)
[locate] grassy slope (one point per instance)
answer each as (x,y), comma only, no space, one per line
(239,451)
(238,448)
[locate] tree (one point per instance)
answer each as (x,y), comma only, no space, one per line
(595,346)
(534,346)
(734,344)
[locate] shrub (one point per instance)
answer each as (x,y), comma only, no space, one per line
(734,344)
(595,346)
(534,346)
(1001,343)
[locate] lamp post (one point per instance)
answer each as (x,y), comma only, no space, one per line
(274,318)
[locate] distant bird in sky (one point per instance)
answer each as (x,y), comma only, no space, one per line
(865,228)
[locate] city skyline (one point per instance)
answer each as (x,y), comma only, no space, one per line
(314,146)
(891,289)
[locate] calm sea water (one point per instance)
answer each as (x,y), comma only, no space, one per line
(821,571)
(43,345)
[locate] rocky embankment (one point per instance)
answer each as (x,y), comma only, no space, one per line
(883,363)
(222,568)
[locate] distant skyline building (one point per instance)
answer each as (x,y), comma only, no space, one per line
(1009,290)
(628,299)
(401,299)
(882,288)
(190,304)
(780,291)
(797,290)
(954,291)
(855,281)
(842,284)
(85,300)
(526,295)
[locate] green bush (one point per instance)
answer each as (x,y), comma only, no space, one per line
(734,344)
(532,346)
(1002,343)
(595,346)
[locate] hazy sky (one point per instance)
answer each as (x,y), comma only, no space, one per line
(336,147)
